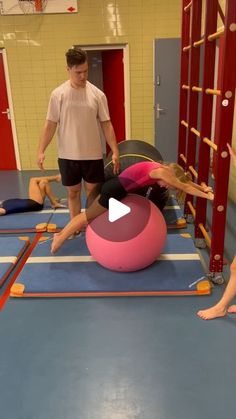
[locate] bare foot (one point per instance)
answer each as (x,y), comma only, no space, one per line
(58,205)
(232,309)
(212,312)
(2,211)
(56,243)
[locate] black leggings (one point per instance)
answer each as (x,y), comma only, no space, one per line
(112,188)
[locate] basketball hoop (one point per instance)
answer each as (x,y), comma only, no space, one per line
(32,6)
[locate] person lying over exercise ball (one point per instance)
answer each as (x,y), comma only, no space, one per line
(223,306)
(171,176)
(39,189)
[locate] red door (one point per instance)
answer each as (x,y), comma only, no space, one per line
(113,87)
(7,151)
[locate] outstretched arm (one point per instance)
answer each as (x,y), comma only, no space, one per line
(203,187)
(191,188)
(166,178)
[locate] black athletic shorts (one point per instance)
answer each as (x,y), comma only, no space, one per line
(13,206)
(73,171)
(112,188)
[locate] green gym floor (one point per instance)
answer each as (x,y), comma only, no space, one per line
(115,358)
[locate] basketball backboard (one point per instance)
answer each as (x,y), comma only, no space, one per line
(20,7)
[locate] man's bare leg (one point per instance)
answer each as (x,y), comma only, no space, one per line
(221,308)
(78,222)
(92,191)
(74,200)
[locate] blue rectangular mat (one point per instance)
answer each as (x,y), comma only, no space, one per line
(12,248)
(56,219)
(26,222)
(74,273)
(172,213)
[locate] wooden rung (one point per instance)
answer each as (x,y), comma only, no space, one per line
(198,43)
(195,131)
(193,171)
(216,34)
(205,234)
(210,143)
(192,209)
(184,123)
(185,87)
(186,48)
(213,92)
(183,158)
(196,89)
(187,8)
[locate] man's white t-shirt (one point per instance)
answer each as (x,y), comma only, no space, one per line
(77,113)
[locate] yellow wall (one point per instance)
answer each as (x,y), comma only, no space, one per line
(36,45)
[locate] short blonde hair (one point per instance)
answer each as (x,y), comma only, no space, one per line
(182,176)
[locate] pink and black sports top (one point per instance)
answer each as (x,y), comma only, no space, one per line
(137,175)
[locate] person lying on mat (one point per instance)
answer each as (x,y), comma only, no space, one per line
(39,189)
(170,176)
(223,306)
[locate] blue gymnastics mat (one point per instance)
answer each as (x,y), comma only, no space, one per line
(54,220)
(12,248)
(73,273)
(172,213)
(26,222)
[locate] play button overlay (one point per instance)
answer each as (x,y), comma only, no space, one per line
(124,221)
(126,217)
(117,210)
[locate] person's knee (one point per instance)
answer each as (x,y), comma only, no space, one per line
(36,179)
(33,181)
(73,194)
(43,183)
(93,192)
(93,189)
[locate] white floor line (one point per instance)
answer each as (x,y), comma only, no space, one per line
(8,259)
(88,258)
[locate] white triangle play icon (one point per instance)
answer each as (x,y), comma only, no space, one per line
(117,210)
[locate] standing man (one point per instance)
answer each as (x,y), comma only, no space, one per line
(76,108)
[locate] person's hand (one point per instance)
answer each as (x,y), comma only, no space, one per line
(232,154)
(210,196)
(40,160)
(116,163)
(207,189)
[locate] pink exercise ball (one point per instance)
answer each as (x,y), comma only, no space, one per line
(131,243)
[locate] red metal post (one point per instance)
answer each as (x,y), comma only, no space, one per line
(194,80)
(223,135)
(183,97)
(206,109)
